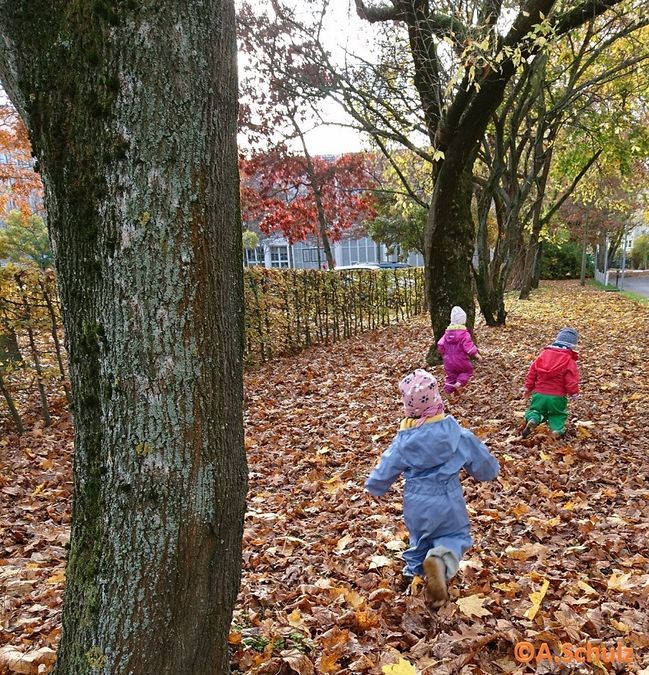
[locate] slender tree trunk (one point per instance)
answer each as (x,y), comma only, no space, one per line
(317,195)
(584,249)
(132,110)
(54,329)
(13,411)
(40,376)
(532,251)
(536,277)
(326,245)
(9,349)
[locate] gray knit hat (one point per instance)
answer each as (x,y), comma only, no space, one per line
(567,337)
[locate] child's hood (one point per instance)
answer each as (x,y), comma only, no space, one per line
(455,333)
(431,444)
(554,359)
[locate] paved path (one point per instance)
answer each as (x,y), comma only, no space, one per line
(637,285)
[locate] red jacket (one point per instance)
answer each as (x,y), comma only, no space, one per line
(554,372)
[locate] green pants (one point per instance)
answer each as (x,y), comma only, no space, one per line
(550,409)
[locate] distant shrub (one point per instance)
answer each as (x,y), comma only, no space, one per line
(563,261)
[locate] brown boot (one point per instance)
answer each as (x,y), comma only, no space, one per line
(436,580)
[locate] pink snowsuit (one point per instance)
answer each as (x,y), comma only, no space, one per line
(456,346)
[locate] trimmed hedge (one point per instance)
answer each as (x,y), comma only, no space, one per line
(288,310)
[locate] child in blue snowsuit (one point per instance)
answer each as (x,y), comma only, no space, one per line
(430,449)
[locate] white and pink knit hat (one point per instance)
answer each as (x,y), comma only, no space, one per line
(420,395)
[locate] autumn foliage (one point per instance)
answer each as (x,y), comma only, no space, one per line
(19,183)
(280,193)
(560,550)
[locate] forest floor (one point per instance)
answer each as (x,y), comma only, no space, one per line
(561,537)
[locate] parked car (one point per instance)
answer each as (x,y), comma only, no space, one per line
(373,266)
(393,265)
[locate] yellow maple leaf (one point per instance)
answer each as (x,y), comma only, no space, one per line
(333,485)
(520,509)
(396,545)
(403,667)
(472,605)
(586,587)
(619,582)
(620,625)
(56,578)
(38,490)
(295,618)
(354,599)
(509,587)
(328,663)
(536,599)
(366,619)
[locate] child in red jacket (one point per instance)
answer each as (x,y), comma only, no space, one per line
(551,379)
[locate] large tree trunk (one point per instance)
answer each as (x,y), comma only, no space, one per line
(449,249)
(132,112)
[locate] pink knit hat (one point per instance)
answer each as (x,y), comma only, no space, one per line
(420,395)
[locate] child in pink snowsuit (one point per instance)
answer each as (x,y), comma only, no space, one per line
(457,348)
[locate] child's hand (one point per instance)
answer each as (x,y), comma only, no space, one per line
(525,392)
(573,397)
(477,356)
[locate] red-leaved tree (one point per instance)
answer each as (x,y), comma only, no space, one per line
(302,196)
(19,183)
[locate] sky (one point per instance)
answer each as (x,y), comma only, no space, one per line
(343,30)
(334,140)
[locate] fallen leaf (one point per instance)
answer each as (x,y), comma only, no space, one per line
(620,582)
(472,605)
(537,599)
(343,542)
(297,661)
(402,667)
(377,561)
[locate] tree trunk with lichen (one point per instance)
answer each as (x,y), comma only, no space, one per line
(131,108)
(449,248)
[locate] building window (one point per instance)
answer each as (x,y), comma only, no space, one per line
(279,256)
(312,255)
(254,256)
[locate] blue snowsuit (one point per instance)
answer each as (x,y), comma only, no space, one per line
(431,457)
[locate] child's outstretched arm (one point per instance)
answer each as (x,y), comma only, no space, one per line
(390,466)
(482,465)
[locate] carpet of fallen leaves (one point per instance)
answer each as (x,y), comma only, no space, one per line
(561,538)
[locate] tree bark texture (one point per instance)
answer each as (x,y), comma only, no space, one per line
(449,249)
(132,111)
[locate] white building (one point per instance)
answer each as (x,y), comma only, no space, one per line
(276,252)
